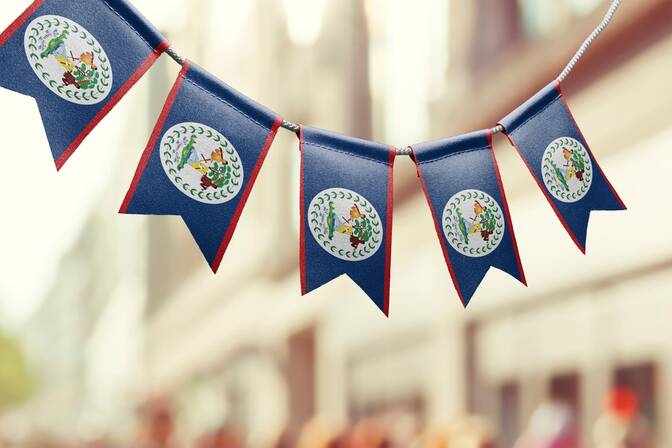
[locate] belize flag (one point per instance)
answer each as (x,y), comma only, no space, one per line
(346,213)
(202,159)
(463,186)
(548,138)
(77,58)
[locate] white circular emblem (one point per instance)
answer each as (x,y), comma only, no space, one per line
(567,170)
(202,163)
(473,223)
(68,60)
(345,224)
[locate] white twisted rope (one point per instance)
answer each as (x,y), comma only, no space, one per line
(615,4)
(407,151)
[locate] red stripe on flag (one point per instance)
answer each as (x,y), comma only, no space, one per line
(16,24)
(128,85)
(302,225)
(388,233)
(439,232)
(507,214)
(154,137)
(246,194)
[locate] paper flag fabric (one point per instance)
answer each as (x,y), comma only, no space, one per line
(77,59)
(202,159)
(346,212)
(464,190)
(548,138)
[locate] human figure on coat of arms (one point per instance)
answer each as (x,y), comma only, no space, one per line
(80,71)
(215,171)
(357,227)
(483,223)
(574,167)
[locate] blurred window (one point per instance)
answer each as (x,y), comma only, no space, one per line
(301,377)
(304,20)
(408,56)
(509,413)
(542,17)
(566,389)
(640,379)
(583,7)
(497,28)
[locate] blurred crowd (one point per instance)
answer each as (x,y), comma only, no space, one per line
(552,425)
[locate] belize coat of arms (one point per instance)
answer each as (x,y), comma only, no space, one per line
(345,224)
(68,60)
(201,163)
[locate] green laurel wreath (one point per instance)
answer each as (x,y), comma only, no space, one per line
(170,148)
(70,92)
(451,212)
(357,254)
(548,171)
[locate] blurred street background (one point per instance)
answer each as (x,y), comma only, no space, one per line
(115,333)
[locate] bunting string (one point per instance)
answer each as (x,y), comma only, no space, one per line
(615,4)
(77,59)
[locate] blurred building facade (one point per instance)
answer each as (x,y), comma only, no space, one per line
(135,314)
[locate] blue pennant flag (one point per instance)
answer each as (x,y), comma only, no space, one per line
(346,212)
(77,59)
(202,159)
(464,190)
(548,138)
